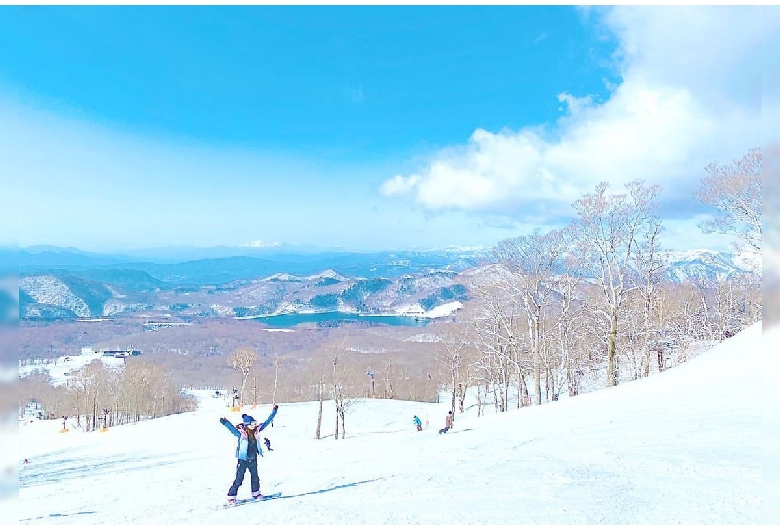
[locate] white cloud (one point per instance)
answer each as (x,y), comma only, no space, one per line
(690,94)
(712,51)
(575,105)
(399,185)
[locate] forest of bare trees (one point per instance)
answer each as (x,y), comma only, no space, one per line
(592,297)
(566,311)
(99,395)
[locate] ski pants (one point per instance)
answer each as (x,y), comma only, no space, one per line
(241,468)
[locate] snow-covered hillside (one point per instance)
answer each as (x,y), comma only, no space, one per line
(48,290)
(60,367)
(681,447)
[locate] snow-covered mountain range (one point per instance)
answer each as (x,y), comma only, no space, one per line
(68,286)
(708,265)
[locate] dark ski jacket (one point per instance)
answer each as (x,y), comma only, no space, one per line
(245,450)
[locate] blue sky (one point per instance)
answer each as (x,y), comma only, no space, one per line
(362,127)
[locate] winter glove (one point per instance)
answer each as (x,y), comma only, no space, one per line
(276,407)
(223,421)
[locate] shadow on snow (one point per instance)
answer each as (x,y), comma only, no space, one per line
(326,490)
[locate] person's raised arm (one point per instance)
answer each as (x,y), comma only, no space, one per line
(267,422)
(229,426)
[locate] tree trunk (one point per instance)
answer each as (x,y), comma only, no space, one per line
(276,378)
(319,415)
(524,390)
(454,390)
(243,385)
(571,377)
(552,386)
(336,436)
(645,371)
(646,343)
(611,350)
(537,364)
(547,384)
(504,390)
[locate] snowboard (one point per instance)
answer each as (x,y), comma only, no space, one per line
(241,502)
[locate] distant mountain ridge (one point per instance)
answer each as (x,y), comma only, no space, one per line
(225,269)
(706,265)
(68,284)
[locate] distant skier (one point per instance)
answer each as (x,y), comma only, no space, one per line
(267,444)
(246,452)
(417,423)
(448,423)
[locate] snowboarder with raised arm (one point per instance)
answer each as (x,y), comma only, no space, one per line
(246,452)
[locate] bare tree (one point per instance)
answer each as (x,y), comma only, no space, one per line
(140,379)
(320,393)
(496,328)
(112,394)
(242,360)
(649,264)
(609,228)
(568,317)
(87,385)
(453,345)
(533,259)
(387,376)
(276,375)
(320,398)
(735,190)
(344,385)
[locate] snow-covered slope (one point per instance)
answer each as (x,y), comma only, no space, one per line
(681,447)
